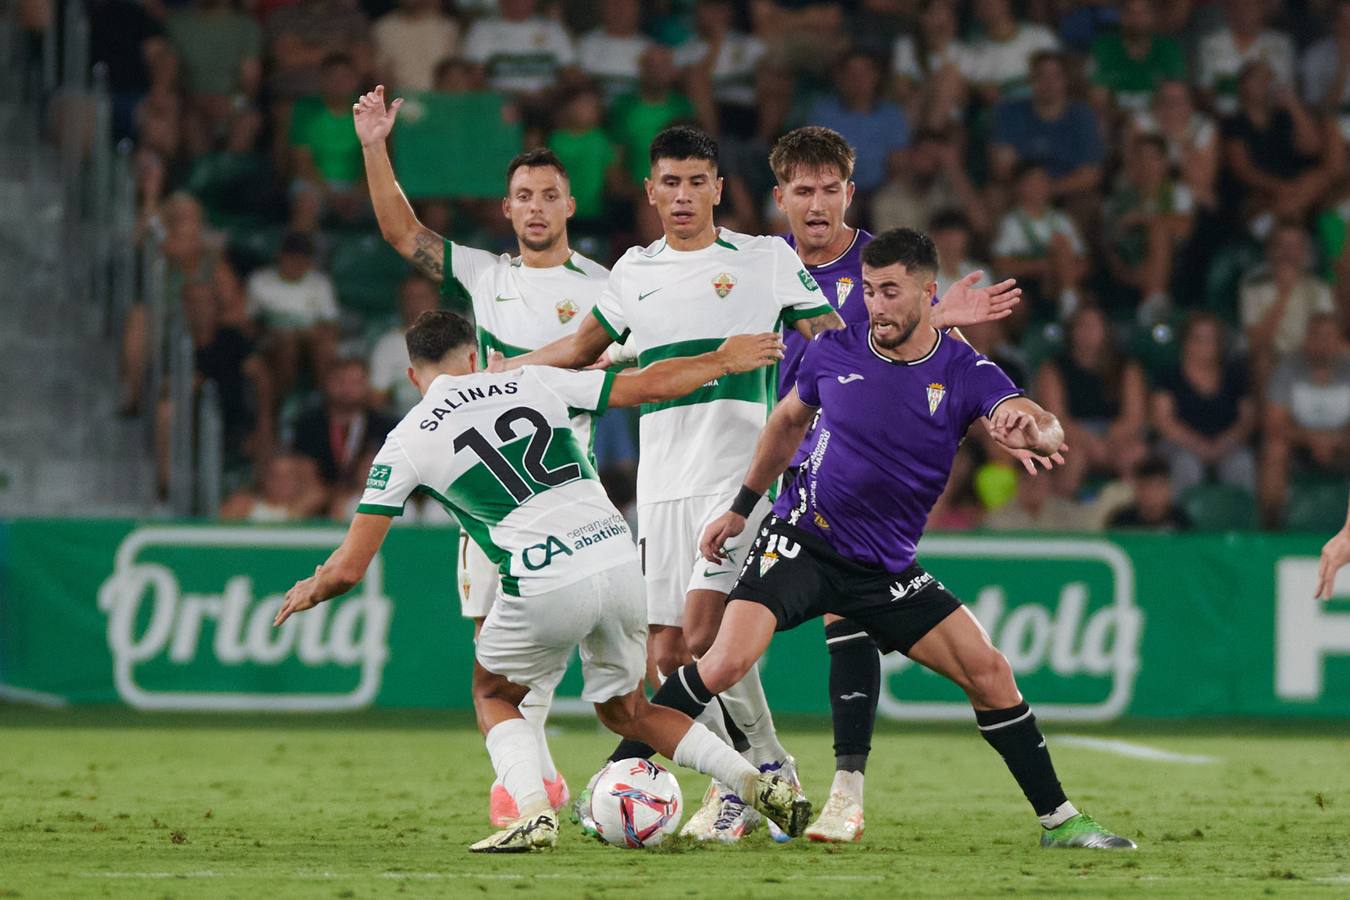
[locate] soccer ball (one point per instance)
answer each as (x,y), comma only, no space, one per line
(635,803)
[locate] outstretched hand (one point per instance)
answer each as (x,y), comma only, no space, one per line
(966,304)
(1029,459)
(373,120)
(302,596)
(747,352)
(1015,429)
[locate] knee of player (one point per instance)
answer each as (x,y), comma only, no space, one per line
(700,642)
(991,680)
(620,714)
(721,670)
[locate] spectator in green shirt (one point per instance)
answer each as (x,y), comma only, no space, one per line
(1127,67)
(325,154)
(637,118)
(585,149)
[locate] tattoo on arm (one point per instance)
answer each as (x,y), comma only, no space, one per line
(816,324)
(429,254)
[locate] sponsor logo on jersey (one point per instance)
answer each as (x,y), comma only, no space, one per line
(807,281)
(645,295)
(378,478)
(842,288)
(501,299)
(820,521)
(567,310)
(849,378)
(723,283)
(189,622)
(936,392)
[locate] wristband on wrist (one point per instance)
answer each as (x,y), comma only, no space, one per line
(745,501)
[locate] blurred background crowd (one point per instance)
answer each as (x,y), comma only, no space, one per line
(1167,181)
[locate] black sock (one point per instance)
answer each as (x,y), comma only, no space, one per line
(739,741)
(684,691)
(855,684)
(1014,734)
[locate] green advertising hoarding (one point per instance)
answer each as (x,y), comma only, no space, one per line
(178,616)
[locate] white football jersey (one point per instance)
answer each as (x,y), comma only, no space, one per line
(517,308)
(683,303)
(498,452)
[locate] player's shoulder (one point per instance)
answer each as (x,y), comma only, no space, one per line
(585,266)
(839,340)
(751,243)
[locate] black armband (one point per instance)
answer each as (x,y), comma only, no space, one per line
(745,501)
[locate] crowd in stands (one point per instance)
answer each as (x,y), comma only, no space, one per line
(1167,181)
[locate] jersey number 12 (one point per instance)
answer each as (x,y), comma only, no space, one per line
(533,460)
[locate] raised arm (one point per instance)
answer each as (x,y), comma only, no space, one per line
(1335,554)
(399,225)
(344,568)
(672,378)
(782,435)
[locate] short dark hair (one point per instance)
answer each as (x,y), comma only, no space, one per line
(909,247)
(683,142)
(538,157)
(437,333)
(811,148)
(1054,56)
(1154,467)
(1026,167)
(1152,139)
(951,217)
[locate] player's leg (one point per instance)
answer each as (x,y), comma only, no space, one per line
(612,659)
(478,585)
(957,647)
(855,686)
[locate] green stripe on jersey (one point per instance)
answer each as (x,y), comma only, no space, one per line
(487,341)
(452,288)
(794,315)
(482,497)
(609,329)
(476,530)
(375,509)
(755,387)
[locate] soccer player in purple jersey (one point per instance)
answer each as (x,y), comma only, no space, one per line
(813,166)
(842,539)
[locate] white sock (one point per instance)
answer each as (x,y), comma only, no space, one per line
(1063,813)
(749,709)
(534,709)
(701,750)
(515,758)
(850,784)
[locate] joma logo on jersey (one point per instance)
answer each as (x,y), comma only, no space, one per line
(566,310)
(190,622)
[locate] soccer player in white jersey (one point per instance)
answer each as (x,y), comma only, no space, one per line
(519,303)
(696,284)
(497,450)
(679,296)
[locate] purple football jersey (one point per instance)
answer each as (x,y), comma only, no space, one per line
(885,440)
(840,281)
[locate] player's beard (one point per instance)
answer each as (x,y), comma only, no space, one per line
(539,245)
(903,329)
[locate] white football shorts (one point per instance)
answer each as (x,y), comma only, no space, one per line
(479,579)
(668,536)
(528,640)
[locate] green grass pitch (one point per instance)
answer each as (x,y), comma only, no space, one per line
(105,803)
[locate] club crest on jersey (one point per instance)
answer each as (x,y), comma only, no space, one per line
(842,288)
(935,394)
(723,283)
(566,311)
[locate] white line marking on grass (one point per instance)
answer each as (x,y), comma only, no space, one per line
(459,876)
(31,697)
(1134,751)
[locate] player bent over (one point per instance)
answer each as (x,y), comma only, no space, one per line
(895,398)
(497,451)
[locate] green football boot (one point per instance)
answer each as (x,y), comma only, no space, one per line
(1083,831)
